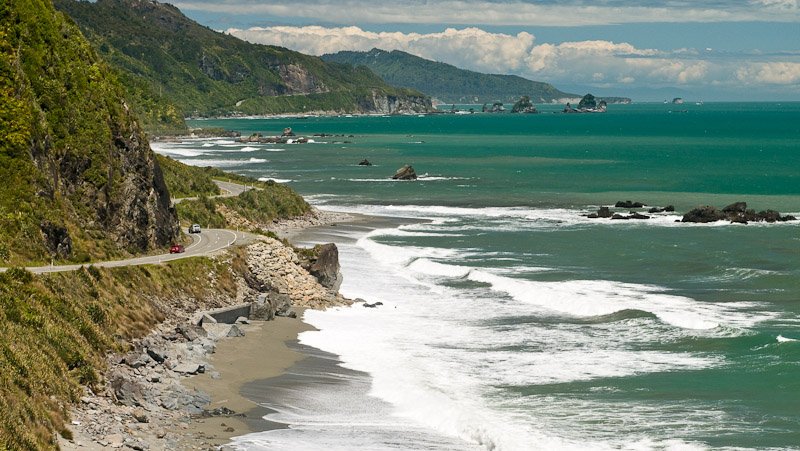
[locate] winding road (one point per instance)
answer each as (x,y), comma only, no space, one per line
(204,243)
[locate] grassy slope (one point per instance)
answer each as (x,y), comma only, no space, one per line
(446,82)
(56,330)
(262,205)
(171,60)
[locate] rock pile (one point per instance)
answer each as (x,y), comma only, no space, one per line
(277,267)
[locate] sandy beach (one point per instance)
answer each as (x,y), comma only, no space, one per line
(262,353)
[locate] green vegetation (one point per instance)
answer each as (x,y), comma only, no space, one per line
(186,181)
(55,331)
(445,82)
(74,163)
(524,105)
(264,203)
(587,101)
(172,66)
(267,202)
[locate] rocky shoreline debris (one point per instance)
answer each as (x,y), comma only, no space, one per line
(736,212)
(144,405)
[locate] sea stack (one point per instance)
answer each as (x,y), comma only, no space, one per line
(405,173)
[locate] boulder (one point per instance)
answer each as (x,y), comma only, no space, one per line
(405,173)
(326,267)
(124,389)
(364,162)
(189,368)
(736,208)
(156,355)
(235,331)
(628,204)
(190,332)
(604,212)
(703,215)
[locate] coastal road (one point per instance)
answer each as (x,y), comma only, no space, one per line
(229,189)
(204,243)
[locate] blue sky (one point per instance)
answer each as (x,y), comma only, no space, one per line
(648,50)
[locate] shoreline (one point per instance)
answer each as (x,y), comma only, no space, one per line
(264,351)
(268,355)
(209,407)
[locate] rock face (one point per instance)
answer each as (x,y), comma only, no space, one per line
(76,144)
(735,212)
(379,102)
(405,173)
(326,267)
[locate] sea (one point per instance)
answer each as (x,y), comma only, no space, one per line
(512,321)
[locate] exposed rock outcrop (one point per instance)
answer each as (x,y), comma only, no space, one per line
(629,204)
(405,173)
(326,266)
(379,102)
(736,212)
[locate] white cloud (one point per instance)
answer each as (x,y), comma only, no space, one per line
(773,73)
(591,63)
(515,12)
(468,47)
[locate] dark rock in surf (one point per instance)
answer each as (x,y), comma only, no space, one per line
(604,212)
(365,162)
(628,204)
(405,173)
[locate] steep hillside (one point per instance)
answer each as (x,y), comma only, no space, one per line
(171,59)
(445,82)
(79,178)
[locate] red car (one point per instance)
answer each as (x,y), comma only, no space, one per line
(177,249)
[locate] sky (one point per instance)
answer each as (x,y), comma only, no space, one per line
(648,50)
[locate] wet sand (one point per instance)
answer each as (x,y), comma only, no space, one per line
(262,353)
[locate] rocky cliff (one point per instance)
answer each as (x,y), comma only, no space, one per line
(80,178)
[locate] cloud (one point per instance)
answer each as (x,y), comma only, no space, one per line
(468,47)
(514,12)
(591,62)
(773,73)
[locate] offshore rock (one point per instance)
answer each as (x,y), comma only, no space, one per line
(629,204)
(405,173)
(736,212)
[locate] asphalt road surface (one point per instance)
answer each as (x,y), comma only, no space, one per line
(207,242)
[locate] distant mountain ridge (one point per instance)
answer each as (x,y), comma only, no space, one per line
(174,67)
(446,82)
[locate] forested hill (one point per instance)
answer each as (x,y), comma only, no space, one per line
(164,58)
(78,177)
(446,82)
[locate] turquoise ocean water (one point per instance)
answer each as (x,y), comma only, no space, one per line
(511,321)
